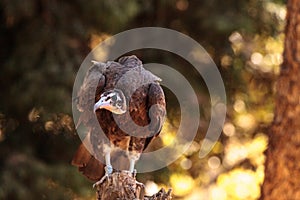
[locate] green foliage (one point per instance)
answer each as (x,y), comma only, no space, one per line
(24,177)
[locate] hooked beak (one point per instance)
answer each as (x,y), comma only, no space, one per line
(101,104)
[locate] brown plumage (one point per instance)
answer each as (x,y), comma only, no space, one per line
(130,108)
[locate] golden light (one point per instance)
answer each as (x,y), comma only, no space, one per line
(267,65)
(239,106)
(246,121)
(256,148)
(229,129)
(100,54)
(226,61)
(256,58)
(168,139)
(168,134)
(266,116)
(181,184)
(96,39)
(245,187)
(214,162)
(194,147)
(253,149)
(218,148)
(278,10)
(240,184)
(205,146)
(260,174)
(197,194)
(234,153)
(237,42)
(151,188)
(235,37)
(186,163)
(274,45)
(217,193)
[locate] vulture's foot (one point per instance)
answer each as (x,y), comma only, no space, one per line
(134,173)
(100,181)
(140,187)
(108,172)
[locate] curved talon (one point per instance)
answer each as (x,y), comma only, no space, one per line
(99,182)
(108,172)
(134,173)
(106,176)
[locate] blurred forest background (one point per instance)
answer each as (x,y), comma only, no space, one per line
(43,43)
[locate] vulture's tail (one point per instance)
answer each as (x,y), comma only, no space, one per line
(87,164)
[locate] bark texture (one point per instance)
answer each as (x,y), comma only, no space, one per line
(282,173)
(123,186)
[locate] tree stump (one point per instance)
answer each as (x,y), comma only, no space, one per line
(123,186)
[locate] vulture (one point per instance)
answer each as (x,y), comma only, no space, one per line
(129,105)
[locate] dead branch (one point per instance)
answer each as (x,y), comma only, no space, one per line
(123,186)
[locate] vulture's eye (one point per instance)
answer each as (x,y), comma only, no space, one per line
(114,97)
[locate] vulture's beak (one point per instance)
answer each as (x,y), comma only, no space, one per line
(102,104)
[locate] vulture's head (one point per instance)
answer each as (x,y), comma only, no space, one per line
(112,100)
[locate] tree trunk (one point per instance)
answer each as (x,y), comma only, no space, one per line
(282,173)
(122,185)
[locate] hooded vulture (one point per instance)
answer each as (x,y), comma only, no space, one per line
(129,105)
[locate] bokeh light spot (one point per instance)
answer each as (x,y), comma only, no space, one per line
(256,58)
(181,184)
(182,5)
(214,162)
(239,106)
(186,163)
(229,129)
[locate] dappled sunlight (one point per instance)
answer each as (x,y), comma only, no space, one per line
(246,121)
(237,42)
(239,106)
(218,148)
(214,162)
(237,150)
(217,193)
(229,129)
(240,184)
(181,184)
(186,163)
(278,10)
(256,147)
(44,48)
(168,134)
(268,57)
(151,188)
(96,39)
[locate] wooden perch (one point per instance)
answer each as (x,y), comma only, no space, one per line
(123,186)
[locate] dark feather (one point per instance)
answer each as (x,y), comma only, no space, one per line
(145,101)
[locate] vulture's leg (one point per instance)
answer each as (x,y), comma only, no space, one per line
(135,149)
(132,160)
(133,157)
(108,168)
